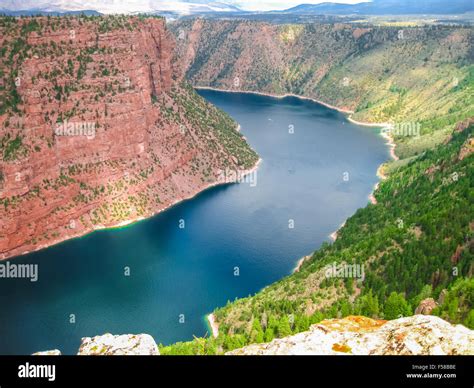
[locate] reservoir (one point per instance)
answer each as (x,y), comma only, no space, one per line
(160,278)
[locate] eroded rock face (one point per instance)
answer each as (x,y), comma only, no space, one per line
(103,130)
(426,306)
(127,344)
(416,335)
(467,149)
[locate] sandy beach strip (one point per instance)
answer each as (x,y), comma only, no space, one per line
(301,261)
(391,144)
(334,234)
(372,198)
(211,319)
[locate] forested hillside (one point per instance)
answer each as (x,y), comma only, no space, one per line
(411,76)
(416,241)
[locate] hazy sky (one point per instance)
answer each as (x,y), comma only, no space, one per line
(262,5)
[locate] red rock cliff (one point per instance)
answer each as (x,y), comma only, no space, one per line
(97,128)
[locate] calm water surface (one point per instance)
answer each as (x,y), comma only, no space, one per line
(186,273)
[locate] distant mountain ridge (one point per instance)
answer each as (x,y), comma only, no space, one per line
(193,7)
(387,7)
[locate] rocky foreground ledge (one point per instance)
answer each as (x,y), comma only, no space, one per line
(114,345)
(416,335)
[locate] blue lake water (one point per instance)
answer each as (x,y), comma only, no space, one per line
(316,176)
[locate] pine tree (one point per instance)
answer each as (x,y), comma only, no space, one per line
(396,306)
(269,335)
(284,328)
(256,335)
(368,305)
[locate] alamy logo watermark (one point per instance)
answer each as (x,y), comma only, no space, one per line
(19,271)
(410,33)
(403,129)
(77,128)
(31,371)
(238,176)
(454,177)
(236,82)
(335,270)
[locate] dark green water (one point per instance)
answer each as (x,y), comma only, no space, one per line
(185,273)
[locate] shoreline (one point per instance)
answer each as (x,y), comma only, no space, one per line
(372,198)
(278,96)
(333,236)
(384,133)
(391,144)
(124,223)
(212,324)
(300,262)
